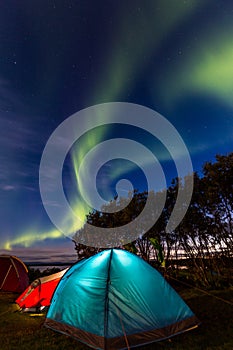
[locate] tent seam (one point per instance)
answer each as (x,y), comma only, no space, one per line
(106,301)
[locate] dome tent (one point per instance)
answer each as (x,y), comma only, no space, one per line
(13,274)
(39,293)
(115,300)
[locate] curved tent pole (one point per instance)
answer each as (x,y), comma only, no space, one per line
(6,277)
(15,267)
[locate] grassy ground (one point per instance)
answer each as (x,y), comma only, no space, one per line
(22,331)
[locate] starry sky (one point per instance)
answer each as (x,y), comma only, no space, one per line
(58,57)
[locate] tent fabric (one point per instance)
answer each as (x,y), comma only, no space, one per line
(39,292)
(13,274)
(115,300)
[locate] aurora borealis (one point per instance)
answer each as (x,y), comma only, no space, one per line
(58,57)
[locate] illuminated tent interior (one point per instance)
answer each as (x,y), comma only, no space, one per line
(115,300)
(13,274)
(38,295)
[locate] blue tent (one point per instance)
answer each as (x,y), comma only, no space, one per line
(115,300)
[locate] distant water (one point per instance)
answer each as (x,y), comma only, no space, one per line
(46,266)
(43,268)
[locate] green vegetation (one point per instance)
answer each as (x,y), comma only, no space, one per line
(22,331)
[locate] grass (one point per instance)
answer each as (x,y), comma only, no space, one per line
(22,331)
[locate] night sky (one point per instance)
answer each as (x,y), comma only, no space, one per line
(58,57)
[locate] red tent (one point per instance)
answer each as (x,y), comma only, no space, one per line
(13,274)
(40,292)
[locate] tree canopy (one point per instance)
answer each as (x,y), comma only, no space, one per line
(204,237)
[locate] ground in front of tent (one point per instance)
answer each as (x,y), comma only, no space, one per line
(26,332)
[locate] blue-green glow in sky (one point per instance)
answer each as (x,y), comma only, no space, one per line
(172,56)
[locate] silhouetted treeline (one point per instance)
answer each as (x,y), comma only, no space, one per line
(204,238)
